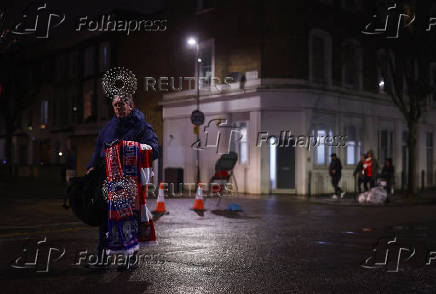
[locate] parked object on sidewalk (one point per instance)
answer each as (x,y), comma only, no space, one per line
(376,195)
(234,207)
(223,172)
(363,197)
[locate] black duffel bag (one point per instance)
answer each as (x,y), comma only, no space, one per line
(86,197)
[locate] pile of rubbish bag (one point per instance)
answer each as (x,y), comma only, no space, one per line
(376,195)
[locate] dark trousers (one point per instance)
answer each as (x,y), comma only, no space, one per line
(335,183)
(360,183)
(369,180)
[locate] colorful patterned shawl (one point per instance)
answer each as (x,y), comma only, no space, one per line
(128,170)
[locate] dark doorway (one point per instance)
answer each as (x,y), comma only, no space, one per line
(286,167)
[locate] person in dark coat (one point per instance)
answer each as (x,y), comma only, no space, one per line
(359,172)
(388,175)
(335,171)
(128,124)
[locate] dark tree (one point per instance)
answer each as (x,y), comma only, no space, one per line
(405,66)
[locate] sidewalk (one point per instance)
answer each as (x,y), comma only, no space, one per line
(398,199)
(19,189)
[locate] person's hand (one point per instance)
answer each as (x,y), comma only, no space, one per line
(333,171)
(89,170)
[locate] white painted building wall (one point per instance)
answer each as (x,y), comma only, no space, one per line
(274,110)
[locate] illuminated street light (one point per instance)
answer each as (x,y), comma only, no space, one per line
(192,42)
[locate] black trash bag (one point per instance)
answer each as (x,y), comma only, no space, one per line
(86,197)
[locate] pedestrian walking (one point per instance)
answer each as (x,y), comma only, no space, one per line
(335,171)
(359,172)
(388,176)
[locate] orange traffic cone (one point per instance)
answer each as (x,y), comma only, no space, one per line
(198,202)
(160,203)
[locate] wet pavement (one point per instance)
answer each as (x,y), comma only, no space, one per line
(278,244)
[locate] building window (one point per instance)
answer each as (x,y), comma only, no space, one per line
(351,65)
(321,153)
(239,141)
(89,62)
(320,51)
(44,114)
(73,68)
(243,144)
(61,68)
(354,145)
(88,101)
(386,149)
(206,66)
(104,56)
(55,110)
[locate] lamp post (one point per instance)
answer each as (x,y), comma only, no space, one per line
(193,43)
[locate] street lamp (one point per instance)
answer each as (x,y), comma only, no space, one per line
(193,43)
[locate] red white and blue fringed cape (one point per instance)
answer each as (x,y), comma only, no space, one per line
(128,171)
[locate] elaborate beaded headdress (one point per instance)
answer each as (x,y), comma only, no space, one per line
(119,81)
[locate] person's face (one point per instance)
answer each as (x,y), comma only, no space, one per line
(333,157)
(387,163)
(362,157)
(121,107)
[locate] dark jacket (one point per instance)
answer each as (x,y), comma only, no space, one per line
(359,170)
(387,173)
(335,165)
(131,128)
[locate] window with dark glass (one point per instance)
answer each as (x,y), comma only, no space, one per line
(318,59)
(73,68)
(89,62)
(88,111)
(104,56)
(44,113)
(351,65)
